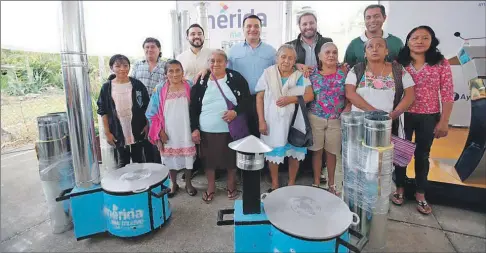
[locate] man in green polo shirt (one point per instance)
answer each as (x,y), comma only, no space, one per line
(374,16)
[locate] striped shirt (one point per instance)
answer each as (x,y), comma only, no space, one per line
(141,72)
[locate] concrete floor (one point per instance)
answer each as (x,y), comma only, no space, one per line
(25,225)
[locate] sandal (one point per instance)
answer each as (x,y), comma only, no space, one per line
(208,197)
(332,189)
(172,194)
(397,198)
(234,194)
(317,186)
(423,207)
(192,192)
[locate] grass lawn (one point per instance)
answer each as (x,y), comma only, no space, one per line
(19,115)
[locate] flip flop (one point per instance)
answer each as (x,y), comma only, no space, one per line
(172,194)
(397,199)
(208,197)
(191,192)
(423,207)
(234,194)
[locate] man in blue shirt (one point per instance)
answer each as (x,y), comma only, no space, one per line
(250,58)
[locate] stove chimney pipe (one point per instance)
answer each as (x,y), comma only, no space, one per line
(74,62)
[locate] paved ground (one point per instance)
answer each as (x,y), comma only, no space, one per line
(25,225)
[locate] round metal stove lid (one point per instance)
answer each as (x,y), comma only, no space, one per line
(307,212)
(134,177)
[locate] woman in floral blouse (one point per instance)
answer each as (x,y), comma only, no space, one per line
(326,108)
(433,77)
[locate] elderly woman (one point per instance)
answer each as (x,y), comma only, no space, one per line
(429,114)
(277,93)
(168,116)
(379,85)
(210,117)
(325,112)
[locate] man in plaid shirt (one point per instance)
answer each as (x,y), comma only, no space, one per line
(150,72)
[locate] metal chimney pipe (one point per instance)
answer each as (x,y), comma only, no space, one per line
(288,20)
(176,33)
(202,13)
(74,62)
(184,25)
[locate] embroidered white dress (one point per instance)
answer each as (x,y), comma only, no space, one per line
(179,152)
(279,120)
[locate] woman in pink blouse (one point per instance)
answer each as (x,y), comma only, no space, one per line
(433,87)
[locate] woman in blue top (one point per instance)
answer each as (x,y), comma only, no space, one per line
(277,91)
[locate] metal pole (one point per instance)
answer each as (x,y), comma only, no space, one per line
(74,63)
(176,36)
(184,25)
(288,20)
(202,12)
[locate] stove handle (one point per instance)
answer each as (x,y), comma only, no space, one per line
(363,240)
(355,223)
(62,196)
(221,213)
(162,193)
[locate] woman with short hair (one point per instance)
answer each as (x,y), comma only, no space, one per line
(210,118)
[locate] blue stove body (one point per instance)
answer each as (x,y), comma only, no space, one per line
(128,214)
(255,233)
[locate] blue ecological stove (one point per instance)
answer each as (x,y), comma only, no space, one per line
(289,219)
(131,201)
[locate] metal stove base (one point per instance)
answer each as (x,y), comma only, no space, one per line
(95,212)
(255,233)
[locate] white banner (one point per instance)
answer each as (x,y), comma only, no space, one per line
(226,21)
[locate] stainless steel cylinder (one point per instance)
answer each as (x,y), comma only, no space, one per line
(377,130)
(55,168)
(74,63)
(249,161)
(63,122)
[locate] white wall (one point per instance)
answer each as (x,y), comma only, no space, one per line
(445,17)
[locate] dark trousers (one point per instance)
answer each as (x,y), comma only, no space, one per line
(423,126)
(132,152)
(252,118)
(151,153)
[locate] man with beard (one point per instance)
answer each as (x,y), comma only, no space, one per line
(195,59)
(308,43)
(374,16)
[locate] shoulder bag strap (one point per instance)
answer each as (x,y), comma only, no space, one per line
(222,93)
(301,104)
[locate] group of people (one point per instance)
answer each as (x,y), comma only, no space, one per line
(177,112)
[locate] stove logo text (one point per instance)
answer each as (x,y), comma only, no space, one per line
(123,218)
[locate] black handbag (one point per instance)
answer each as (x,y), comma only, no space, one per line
(296,137)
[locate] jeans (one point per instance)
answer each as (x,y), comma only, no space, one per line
(423,126)
(132,152)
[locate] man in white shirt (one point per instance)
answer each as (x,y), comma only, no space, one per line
(193,60)
(196,57)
